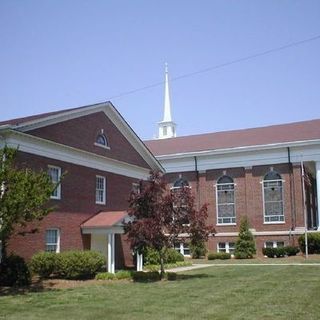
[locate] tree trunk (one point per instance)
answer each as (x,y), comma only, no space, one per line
(162,272)
(3,250)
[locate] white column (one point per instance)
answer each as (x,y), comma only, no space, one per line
(139,262)
(111,258)
(318,193)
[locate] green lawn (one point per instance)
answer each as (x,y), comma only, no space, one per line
(218,292)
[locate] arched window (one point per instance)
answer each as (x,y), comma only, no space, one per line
(273,197)
(179,200)
(225,200)
(101,140)
(180,183)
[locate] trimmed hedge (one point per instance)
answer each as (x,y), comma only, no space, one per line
(218,255)
(68,265)
(78,264)
(313,243)
(199,251)
(14,272)
(43,264)
(280,252)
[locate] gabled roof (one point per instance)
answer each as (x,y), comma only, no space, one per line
(19,121)
(37,121)
(105,219)
(291,132)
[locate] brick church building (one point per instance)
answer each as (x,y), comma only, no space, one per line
(253,172)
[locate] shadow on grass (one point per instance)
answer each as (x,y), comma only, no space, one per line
(36,286)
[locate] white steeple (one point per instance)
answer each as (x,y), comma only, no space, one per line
(167,128)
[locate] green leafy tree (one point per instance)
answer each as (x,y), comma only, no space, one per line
(245,245)
(24,194)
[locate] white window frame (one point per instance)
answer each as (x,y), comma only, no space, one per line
(274,243)
(104,190)
(57,244)
(234,205)
(105,146)
(180,247)
(227,246)
(58,189)
(264,203)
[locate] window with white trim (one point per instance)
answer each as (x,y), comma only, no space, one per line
(182,248)
(101,140)
(100,190)
(52,240)
(228,247)
(225,200)
(274,244)
(273,198)
(55,175)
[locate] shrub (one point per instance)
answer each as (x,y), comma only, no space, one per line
(173,256)
(245,245)
(78,264)
(43,264)
(269,252)
(105,276)
(140,276)
(14,272)
(313,243)
(198,251)
(151,256)
(291,251)
(171,276)
(219,255)
(121,274)
(280,252)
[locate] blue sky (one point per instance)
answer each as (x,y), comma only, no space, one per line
(61,54)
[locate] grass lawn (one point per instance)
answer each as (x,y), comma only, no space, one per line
(219,292)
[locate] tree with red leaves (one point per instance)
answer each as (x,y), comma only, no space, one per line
(159,216)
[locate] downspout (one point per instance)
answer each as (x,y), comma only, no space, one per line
(197,179)
(292,194)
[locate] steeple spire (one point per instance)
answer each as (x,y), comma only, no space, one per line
(167,128)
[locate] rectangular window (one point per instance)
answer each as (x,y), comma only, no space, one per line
(228,247)
(274,244)
(182,248)
(100,190)
(53,240)
(55,175)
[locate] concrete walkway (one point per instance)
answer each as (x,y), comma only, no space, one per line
(202,265)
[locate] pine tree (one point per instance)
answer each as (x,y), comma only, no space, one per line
(245,245)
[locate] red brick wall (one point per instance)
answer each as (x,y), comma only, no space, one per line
(77,204)
(248,198)
(81,133)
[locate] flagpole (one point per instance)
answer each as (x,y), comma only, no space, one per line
(304,210)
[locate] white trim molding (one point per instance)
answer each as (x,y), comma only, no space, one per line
(110,111)
(49,149)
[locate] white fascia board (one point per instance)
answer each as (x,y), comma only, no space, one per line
(53,150)
(115,117)
(309,152)
(103,230)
